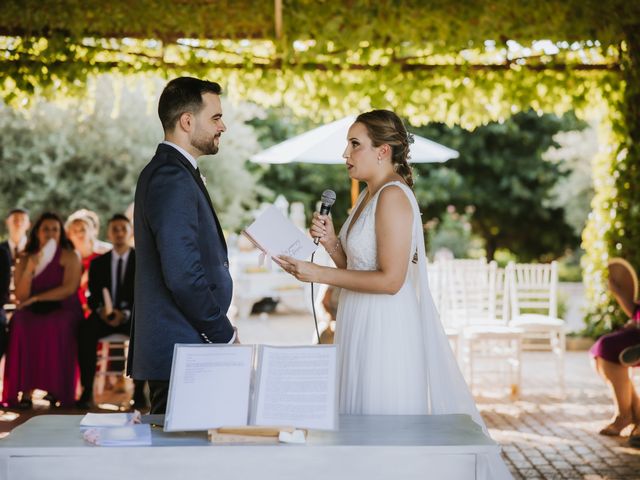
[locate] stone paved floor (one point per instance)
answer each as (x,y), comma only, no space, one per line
(544,434)
(547,435)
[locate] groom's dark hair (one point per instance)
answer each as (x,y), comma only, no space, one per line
(183,94)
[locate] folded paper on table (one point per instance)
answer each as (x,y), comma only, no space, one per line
(213,386)
(275,235)
(130,435)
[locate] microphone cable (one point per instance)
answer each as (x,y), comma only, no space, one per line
(327,200)
(313,306)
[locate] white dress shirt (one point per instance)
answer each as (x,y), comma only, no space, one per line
(186,154)
(20,245)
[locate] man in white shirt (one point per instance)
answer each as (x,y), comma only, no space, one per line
(17,222)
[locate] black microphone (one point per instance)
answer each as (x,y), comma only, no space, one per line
(327,200)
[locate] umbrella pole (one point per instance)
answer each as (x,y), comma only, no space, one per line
(355,191)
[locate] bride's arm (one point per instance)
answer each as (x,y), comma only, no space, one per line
(394,219)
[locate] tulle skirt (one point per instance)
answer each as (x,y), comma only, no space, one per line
(381,364)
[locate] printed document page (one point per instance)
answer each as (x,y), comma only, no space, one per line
(209,387)
(297,387)
(276,235)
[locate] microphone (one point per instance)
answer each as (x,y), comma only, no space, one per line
(327,200)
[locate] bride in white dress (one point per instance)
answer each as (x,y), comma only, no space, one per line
(394,356)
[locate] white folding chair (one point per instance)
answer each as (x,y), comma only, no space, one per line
(533,292)
(436,274)
(486,339)
(111,342)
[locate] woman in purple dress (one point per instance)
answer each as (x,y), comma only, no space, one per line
(606,352)
(42,334)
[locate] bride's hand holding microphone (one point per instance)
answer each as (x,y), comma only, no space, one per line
(322,230)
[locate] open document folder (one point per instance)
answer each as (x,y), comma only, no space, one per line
(274,234)
(214,386)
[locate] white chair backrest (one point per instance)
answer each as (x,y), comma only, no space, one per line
(435,276)
(470,288)
(533,288)
(502,295)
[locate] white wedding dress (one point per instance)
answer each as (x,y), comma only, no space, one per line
(394,356)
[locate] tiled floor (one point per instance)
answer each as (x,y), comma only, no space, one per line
(544,434)
(547,435)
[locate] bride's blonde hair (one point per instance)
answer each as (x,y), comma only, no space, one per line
(384,126)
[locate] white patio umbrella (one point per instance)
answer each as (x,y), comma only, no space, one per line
(325,145)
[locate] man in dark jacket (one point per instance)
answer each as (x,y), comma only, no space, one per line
(111,281)
(183,287)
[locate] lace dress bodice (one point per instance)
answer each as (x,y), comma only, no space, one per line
(360,244)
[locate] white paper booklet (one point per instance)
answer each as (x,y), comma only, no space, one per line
(109,419)
(274,234)
(214,386)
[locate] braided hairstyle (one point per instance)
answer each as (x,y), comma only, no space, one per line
(384,126)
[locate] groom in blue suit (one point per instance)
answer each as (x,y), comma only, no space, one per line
(182,284)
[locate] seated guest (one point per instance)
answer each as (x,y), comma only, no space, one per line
(18,224)
(5,282)
(82,229)
(42,333)
(114,272)
(608,349)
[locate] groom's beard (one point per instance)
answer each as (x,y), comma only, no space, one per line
(206,145)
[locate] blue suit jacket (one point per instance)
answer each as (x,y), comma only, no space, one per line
(182,285)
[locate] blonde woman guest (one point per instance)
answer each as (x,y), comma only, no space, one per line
(82,228)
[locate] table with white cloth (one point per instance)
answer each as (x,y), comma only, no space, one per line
(367,447)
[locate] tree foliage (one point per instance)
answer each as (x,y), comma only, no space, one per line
(613,229)
(467,62)
(65,157)
(509,186)
(573,193)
